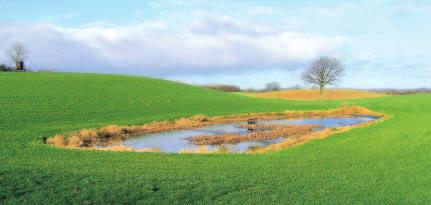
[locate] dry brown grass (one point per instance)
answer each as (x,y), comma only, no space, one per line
(289,142)
(270,132)
(122,148)
(57,140)
(113,135)
(204,150)
(201,150)
(117,148)
(331,94)
(352,110)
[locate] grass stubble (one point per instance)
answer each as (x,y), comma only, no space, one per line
(304,94)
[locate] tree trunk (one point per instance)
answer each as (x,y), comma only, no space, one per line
(321,92)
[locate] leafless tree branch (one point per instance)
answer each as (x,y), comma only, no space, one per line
(17,53)
(322,72)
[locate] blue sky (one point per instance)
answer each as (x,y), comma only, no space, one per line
(248,43)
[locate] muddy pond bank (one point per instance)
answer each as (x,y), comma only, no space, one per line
(201,134)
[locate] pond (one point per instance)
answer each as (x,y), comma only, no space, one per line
(176,141)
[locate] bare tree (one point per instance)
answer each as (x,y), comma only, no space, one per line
(272,86)
(17,54)
(322,72)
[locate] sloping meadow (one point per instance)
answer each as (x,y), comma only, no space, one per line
(384,163)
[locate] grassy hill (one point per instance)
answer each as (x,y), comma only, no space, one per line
(329,94)
(384,163)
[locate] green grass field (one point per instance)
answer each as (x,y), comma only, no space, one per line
(387,162)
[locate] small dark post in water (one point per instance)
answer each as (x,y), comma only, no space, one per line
(20,66)
(252,121)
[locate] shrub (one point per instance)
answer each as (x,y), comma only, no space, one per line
(5,68)
(272,86)
(225,88)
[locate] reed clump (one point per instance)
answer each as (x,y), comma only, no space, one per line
(269,132)
(292,141)
(57,140)
(288,142)
(204,150)
(122,148)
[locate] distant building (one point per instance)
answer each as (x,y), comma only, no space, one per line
(20,66)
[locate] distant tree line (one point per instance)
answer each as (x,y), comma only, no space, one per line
(6,68)
(392,91)
(322,72)
(225,88)
(271,86)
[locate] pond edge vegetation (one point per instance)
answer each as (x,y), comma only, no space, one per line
(109,138)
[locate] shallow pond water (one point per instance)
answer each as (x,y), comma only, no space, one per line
(175,141)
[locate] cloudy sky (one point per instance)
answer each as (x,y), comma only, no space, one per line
(248,43)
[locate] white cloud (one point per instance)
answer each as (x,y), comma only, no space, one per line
(210,45)
(239,41)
